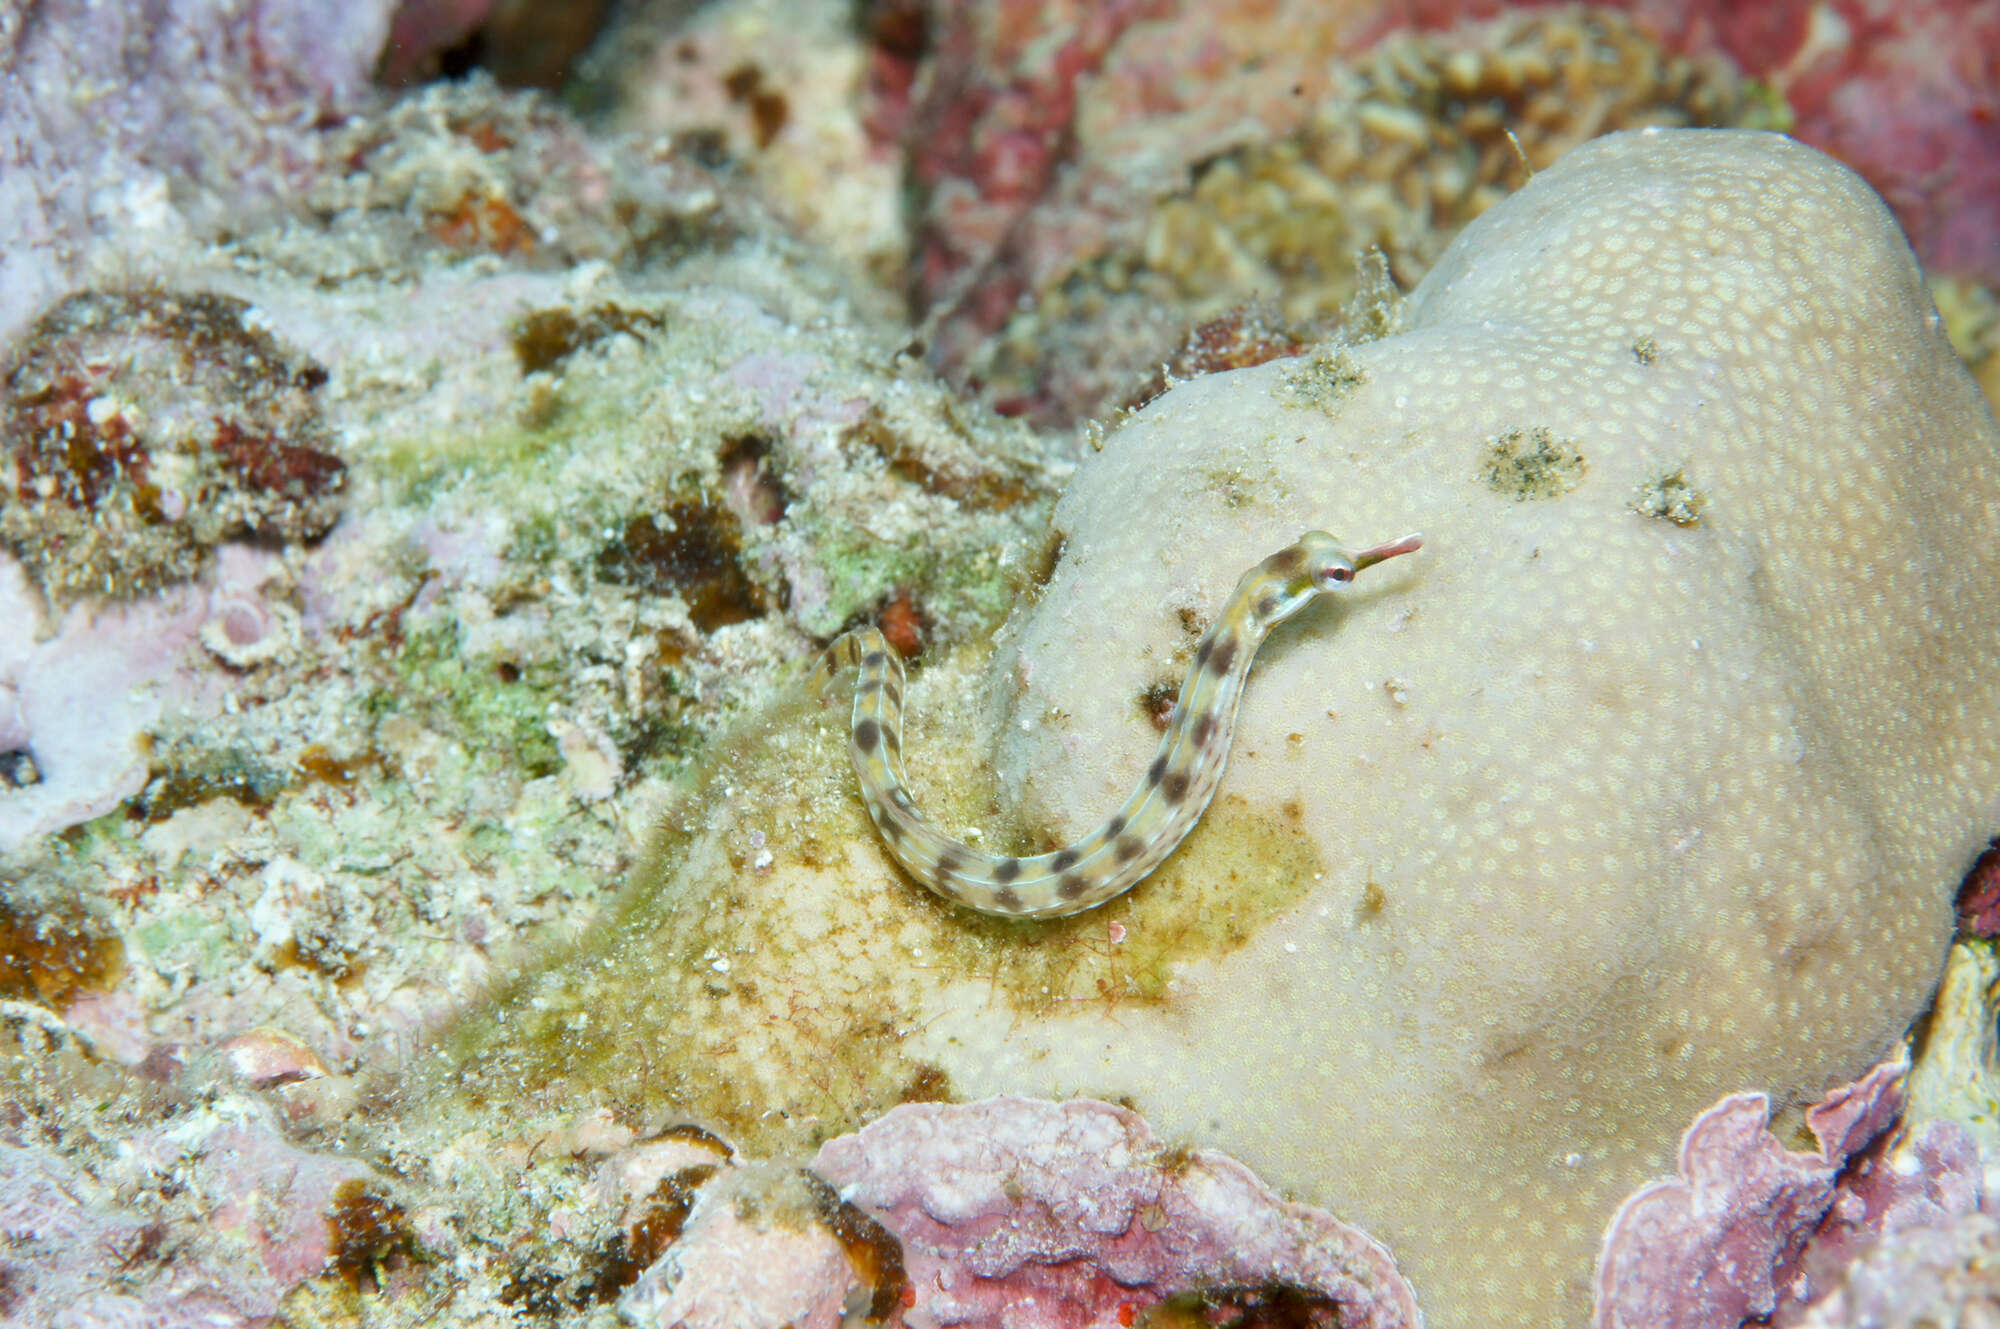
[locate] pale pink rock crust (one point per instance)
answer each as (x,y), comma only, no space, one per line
(1030,1214)
(117,1245)
(1750,1230)
(81,692)
(1668,1264)
(734,1266)
(201,115)
(1016,1213)
(1020,1212)
(1928,1277)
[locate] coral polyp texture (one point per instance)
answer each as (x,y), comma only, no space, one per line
(1612,813)
(142,428)
(1071,235)
(420,852)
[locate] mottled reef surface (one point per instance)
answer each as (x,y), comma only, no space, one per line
(427,894)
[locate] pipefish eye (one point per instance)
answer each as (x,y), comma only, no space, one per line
(1334,574)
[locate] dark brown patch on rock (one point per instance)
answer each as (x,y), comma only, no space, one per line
(544,338)
(693,547)
(51,952)
(366,1233)
(1157,703)
(873,1251)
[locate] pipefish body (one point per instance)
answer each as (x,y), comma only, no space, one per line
(1169,799)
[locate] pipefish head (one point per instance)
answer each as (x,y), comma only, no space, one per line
(1317,565)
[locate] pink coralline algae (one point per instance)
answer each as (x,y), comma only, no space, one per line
(1979,897)
(1919,1278)
(1750,1230)
(1023,1213)
(79,695)
(1016,1213)
(199,115)
(1027,1214)
(1923,1204)
(1908,94)
(424,29)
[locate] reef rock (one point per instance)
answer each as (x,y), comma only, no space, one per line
(1647,781)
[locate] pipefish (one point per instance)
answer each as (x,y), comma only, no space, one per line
(1169,799)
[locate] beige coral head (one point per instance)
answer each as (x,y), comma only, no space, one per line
(1659,804)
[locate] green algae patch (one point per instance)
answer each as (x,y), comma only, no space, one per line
(1323,380)
(497,706)
(1238,870)
(420,467)
(746,980)
(968,589)
(767,973)
(1529,464)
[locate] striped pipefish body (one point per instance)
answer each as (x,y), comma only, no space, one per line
(1169,799)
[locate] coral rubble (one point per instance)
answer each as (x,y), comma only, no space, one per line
(1530,798)
(1093,178)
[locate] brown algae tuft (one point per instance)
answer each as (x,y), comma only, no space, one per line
(52,952)
(693,548)
(366,1234)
